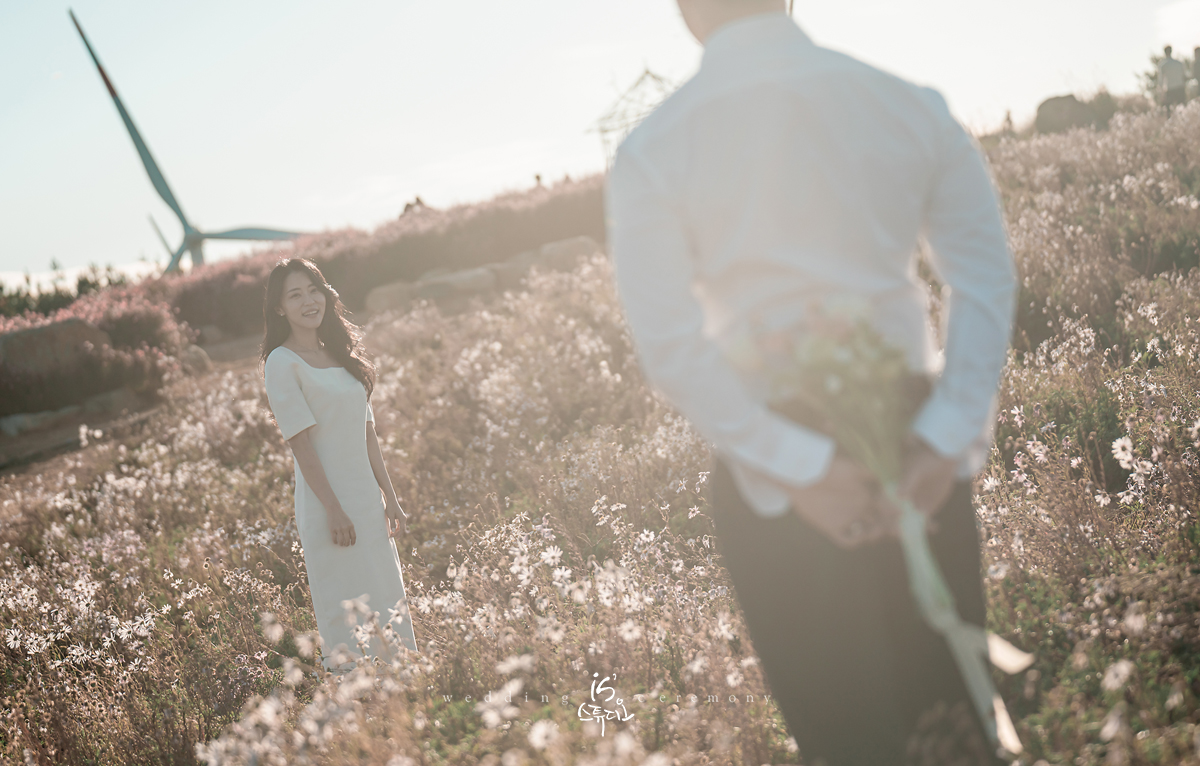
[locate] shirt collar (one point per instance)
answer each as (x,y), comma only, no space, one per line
(753,33)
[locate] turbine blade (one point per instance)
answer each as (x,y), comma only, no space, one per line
(161,238)
(174,264)
(156,176)
(252,233)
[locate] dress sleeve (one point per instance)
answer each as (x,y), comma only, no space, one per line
(288,404)
(370,413)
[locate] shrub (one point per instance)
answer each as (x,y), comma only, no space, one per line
(229,294)
(144,335)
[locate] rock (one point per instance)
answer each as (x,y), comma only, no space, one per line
(41,350)
(509,275)
(396,296)
(118,401)
(564,255)
(434,273)
(14,425)
(210,334)
(1060,113)
(195,360)
(458,283)
(524,260)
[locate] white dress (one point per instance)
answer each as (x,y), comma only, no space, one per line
(334,403)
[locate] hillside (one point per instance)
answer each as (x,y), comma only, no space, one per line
(154,596)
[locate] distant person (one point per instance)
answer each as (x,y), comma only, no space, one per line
(319,386)
(1172,80)
(1196,68)
(782,176)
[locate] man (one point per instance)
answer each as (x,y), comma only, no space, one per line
(1195,67)
(783,176)
(1172,80)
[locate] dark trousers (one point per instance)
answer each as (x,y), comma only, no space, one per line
(851,663)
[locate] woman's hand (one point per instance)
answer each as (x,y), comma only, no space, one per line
(397,519)
(341,528)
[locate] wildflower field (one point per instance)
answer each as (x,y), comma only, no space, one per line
(155,606)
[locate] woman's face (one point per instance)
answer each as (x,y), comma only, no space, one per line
(303,303)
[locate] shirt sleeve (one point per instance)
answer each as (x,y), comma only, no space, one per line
(288,404)
(655,275)
(965,231)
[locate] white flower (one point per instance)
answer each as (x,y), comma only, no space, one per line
(552,555)
(514,664)
(542,734)
(630,631)
(272,630)
(561,574)
(990,484)
(723,630)
(1117,676)
(1122,450)
(548,627)
(497,706)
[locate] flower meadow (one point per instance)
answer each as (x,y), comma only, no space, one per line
(563,575)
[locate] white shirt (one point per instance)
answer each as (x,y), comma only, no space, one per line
(782,173)
(1171,74)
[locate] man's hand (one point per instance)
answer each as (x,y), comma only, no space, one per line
(842,504)
(927,480)
(341,528)
(397,519)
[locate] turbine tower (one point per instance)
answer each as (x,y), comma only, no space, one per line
(193,238)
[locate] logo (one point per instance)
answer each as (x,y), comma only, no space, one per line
(600,709)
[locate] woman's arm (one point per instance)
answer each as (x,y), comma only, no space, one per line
(341,528)
(396,516)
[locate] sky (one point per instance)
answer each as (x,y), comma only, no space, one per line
(307,115)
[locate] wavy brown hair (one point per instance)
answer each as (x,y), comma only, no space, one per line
(342,339)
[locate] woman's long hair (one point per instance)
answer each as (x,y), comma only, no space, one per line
(341,339)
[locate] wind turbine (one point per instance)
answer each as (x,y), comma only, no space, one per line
(193,238)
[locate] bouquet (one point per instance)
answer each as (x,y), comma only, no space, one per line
(842,378)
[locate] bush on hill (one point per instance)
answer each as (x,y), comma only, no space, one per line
(144,333)
(229,294)
(150,321)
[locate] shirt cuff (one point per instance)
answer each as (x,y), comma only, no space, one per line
(797,456)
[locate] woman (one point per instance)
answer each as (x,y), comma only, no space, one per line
(319,384)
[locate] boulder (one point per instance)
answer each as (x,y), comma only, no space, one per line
(41,350)
(195,360)
(456,284)
(15,425)
(564,255)
(397,295)
(1061,113)
(119,401)
(434,273)
(210,334)
(524,260)
(509,275)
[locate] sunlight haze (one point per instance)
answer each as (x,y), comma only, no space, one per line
(308,116)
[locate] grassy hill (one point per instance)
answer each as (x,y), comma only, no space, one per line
(154,599)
